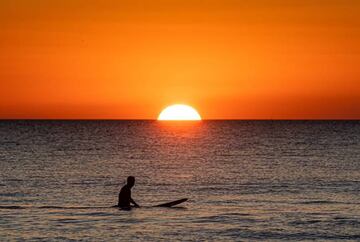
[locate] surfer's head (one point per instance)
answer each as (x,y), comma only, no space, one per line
(130,181)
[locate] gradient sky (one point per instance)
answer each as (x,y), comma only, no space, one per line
(237,59)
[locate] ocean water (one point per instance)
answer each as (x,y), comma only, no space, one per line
(245,180)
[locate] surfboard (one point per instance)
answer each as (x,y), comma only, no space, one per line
(171,204)
(166,205)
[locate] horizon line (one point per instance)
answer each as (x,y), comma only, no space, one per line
(145,119)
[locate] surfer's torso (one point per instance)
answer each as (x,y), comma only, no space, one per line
(124,196)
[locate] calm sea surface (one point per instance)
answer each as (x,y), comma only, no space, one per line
(245,180)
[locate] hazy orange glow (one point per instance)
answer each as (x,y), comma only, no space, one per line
(249,59)
(179,112)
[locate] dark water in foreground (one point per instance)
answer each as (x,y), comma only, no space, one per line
(245,180)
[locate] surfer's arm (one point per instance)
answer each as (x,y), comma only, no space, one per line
(133,202)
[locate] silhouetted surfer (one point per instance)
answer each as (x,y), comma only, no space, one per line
(125,194)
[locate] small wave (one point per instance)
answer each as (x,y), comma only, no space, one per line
(13,194)
(84,183)
(61,207)
(13,180)
(9,143)
(224,218)
(238,214)
(347,222)
(12,207)
(96,214)
(307,222)
(68,220)
(319,202)
(50,207)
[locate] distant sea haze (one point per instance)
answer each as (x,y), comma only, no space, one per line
(245,180)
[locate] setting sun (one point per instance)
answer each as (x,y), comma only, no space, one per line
(179,112)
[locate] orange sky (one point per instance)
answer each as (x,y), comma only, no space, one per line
(230,59)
